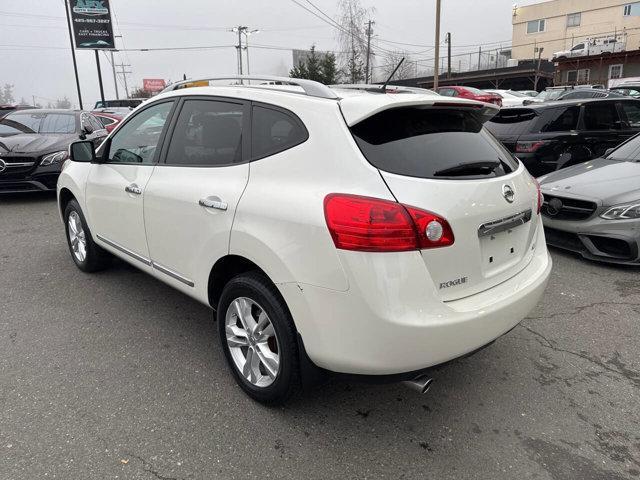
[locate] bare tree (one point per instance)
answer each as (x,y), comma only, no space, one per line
(391,60)
(351,39)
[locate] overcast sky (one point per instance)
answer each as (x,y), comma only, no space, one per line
(35,55)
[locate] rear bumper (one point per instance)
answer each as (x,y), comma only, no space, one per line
(390,321)
(610,241)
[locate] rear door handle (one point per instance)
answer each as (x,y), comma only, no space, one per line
(133,188)
(213,202)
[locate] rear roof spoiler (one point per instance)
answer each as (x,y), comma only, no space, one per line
(358,108)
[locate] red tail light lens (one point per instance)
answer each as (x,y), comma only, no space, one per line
(375,225)
(540,196)
(528,147)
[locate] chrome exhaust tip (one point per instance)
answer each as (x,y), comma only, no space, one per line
(421,383)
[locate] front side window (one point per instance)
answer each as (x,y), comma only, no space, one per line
(535,26)
(573,19)
(632,112)
(579,46)
(273,131)
(207,133)
(601,116)
(137,140)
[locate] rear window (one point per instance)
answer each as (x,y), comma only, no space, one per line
(432,143)
(512,121)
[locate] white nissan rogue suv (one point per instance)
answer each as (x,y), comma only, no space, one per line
(354,230)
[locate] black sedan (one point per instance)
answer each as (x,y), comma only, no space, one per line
(35,143)
(554,135)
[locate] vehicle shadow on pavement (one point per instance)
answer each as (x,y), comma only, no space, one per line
(27,198)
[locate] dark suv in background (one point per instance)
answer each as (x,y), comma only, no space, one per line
(550,136)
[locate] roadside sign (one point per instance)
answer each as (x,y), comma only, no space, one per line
(92,26)
(153,84)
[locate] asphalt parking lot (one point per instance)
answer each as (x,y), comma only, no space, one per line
(116,375)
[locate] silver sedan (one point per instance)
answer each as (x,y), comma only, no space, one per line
(593,208)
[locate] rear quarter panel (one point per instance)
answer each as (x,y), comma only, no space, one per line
(280,222)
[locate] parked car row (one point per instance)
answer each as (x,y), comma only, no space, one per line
(367,267)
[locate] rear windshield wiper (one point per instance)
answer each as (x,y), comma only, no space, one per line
(471,168)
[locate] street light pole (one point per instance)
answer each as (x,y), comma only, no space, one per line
(437,45)
(246,43)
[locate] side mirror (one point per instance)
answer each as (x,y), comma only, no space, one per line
(608,151)
(87,129)
(82,151)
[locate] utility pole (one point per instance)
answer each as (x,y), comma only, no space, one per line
(115,79)
(535,82)
(240,29)
(437,45)
(367,77)
(449,54)
(248,32)
(99,76)
(73,53)
(124,74)
(479,56)
(113,69)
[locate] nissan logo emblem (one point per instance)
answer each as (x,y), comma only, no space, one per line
(508,193)
(3,165)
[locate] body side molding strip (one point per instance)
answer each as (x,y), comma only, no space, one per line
(119,247)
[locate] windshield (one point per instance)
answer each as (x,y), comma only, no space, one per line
(629,91)
(550,94)
(627,152)
(432,143)
(23,122)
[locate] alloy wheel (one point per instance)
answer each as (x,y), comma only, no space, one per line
(252,342)
(77,237)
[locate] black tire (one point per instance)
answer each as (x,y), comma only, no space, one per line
(256,287)
(96,257)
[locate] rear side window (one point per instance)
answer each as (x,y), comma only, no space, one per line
(513,121)
(207,133)
(432,143)
(273,131)
(601,116)
(561,119)
(106,121)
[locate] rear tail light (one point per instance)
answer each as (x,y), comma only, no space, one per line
(374,225)
(540,196)
(529,147)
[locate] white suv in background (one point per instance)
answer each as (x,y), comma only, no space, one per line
(346,230)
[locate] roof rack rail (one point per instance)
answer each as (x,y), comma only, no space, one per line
(368,87)
(310,87)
